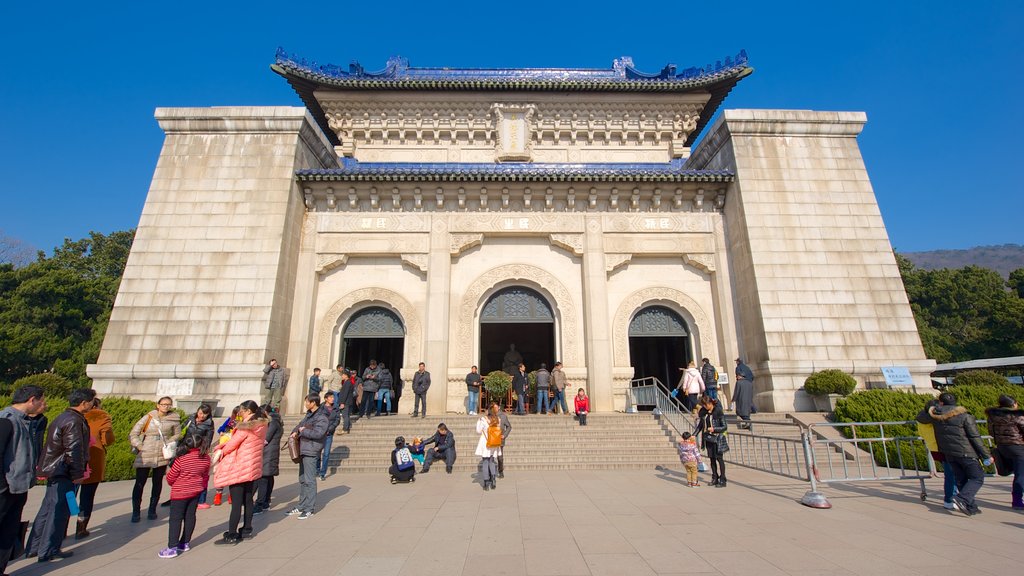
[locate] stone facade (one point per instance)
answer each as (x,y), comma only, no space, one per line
(266,230)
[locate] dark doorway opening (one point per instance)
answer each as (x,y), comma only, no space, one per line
(659,345)
(373,333)
(518,316)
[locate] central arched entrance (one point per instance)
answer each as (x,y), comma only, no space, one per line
(659,344)
(373,333)
(520,317)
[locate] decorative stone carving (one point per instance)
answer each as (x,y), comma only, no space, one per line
(671,298)
(703,262)
(613,261)
(569,331)
(418,261)
(513,125)
(459,243)
(327,262)
(330,324)
(571,242)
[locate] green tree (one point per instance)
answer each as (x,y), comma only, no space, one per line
(54,311)
(1016,282)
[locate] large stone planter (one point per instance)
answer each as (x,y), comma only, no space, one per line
(826,402)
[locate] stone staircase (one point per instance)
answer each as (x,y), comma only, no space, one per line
(610,441)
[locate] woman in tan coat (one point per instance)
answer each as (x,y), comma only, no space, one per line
(148,437)
(239,465)
(101,435)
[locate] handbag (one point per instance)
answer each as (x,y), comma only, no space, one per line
(1003,468)
(723,444)
(293,448)
(169,449)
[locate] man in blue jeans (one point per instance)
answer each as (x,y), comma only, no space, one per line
(473,383)
(559,383)
(957,435)
(333,420)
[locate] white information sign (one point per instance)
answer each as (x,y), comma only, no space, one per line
(897,376)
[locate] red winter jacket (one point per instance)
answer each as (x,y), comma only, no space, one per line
(241,458)
(188,475)
(582,404)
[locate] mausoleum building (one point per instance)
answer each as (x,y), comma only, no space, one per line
(444,215)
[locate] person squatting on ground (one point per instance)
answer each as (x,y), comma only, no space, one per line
(148,438)
(275,380)
(689,455)
(559,383)
(271,460)
(403,466)
(506,429)
(444,448)
(959,441)
(101,435)
(187,476)
(1006,425)
(64,462)
(333,415)
(22,427)
(582,405)
(310,432)
(239,465)
(420,385)
(488,447)
(473,383)
(711,424)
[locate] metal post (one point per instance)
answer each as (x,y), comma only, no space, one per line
(813,498)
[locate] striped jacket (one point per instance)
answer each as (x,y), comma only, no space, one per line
(188,475)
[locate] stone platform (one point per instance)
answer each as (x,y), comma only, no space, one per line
(636,522)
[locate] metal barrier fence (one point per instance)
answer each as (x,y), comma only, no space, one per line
(817,453)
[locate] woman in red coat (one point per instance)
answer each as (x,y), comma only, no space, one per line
(240,464)
(582,406)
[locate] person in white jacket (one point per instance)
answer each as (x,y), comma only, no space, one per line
(691,386)
(488,448)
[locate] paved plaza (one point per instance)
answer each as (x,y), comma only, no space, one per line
(568,522)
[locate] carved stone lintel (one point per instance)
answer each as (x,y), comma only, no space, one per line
(418,261)
(308,199)
(571,242)
(513,125)
(613,261)
(327,262)
(703,262)
(459,243)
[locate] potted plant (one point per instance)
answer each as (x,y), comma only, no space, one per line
(827,386)
(497,384)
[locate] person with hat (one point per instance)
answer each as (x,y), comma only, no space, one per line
(743,396)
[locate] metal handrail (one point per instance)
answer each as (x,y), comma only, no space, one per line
(650,391)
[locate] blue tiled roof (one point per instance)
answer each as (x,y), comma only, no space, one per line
(397,74)
(352,170)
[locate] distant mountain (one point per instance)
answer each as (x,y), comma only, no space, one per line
(1003,259)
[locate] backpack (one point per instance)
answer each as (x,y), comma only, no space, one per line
(494,436)
(404,459)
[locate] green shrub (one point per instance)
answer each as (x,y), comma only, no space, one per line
(497,384)
(55,385)
(979,378)
(829,381)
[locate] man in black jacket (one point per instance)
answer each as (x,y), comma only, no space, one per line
(520,383)
(957,435)
(444,448)
(63,463)
(310,432)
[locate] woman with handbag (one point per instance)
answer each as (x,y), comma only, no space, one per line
(1006,425)
(711,423)
(239,466)
(153,439)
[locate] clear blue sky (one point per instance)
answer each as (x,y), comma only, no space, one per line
(939,82)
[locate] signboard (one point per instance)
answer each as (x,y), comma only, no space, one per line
(897,376)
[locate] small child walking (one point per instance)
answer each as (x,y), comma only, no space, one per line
(689,455)
(187,476)
(582,406)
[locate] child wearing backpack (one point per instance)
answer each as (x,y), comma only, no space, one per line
(488,448)
(689,455)
(187,476)
(403,466)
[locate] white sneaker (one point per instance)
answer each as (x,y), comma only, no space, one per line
(305,515)
(294,512)
(472,413)
(949,506)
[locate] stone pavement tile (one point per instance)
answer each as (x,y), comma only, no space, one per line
(554,557)
(634,525)
(494,565)
(434,558)
(600,540)
(703,537)
(666,555)
(450,528)
(542,526)
(582,515)
(785,555)
(411,517)
(740,562)
(369,566)
(617,565)
(865,563)
(386,541)
(458,508)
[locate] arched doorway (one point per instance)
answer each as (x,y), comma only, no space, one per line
(373,333)
(659,344)
(521,317)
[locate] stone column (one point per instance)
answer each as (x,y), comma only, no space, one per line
(301,336)
(437,329)
(596,323)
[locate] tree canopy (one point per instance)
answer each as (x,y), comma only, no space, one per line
(966,313)
(54,311)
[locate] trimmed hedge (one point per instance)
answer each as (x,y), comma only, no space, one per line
(897,405)
(830,381)
(979,378)
(55,385)
(125,412)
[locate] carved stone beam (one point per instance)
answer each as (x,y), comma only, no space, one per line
(702,262)
(462,198)
(439,198)
(570,200)
(417,198)
(418,261)
(327,262)
(720,199)
(698,200)
(374,199)
(353,199)
(527,197)
(677,199)
(656,200)
(613,261)
(307,195)
(548,199)
(396,199)
(573,243)
(332,200)
(634,200)
(459,243)
(483,198)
